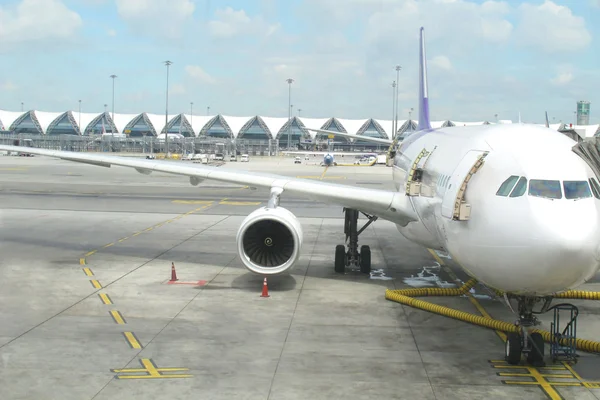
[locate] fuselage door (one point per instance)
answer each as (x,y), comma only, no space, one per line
(453,204)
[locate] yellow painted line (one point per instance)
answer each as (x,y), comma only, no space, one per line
(544,375)
(151,371)
(159,225)
(472,299)
(96,284)
(324,172)
(117,317)
(89,253)
(240,203)
(105,299)
(14,169)
(123,239)
(88,271)
(539,379)
(137,233)
(192,201)
(132,340)
(108,245)
(82,261)
(148,229)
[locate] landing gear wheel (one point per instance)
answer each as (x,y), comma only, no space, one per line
(536,354)
(365,259)
(340,258)
(513,348)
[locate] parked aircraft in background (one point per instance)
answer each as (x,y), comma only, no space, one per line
(513,205)
(329,158)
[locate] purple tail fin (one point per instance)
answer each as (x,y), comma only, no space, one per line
(423,94)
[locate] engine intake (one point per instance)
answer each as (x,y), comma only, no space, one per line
(269,240)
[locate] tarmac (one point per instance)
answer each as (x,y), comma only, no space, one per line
(87,310)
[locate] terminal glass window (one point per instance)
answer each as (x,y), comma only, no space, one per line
(255,132)
(545,188)
(595,188)
(520,188)
(577,189)
(507,186)
(62,126)
(218,130)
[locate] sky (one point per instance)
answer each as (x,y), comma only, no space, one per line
(485,58)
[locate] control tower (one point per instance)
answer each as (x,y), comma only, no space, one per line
(583,112)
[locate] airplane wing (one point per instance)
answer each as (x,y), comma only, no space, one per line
(389,205)
(349,135)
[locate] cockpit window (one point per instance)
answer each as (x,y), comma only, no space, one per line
(520,188)
(577,189)
(507,186)
(545,189)
(595,188)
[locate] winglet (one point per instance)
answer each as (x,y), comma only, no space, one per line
(547,122)
(423,94)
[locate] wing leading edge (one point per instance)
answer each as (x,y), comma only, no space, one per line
(392,206)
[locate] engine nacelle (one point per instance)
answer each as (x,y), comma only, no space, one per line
(269,240)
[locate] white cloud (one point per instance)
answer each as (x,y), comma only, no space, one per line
(552,28)
(231,23)
(111,32)
(441,62)
(37,20)
(199,75)
(562,78)
(156,17)
(177,89)
(8,86)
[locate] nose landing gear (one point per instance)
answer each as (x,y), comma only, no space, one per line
(530,344)
(352,257)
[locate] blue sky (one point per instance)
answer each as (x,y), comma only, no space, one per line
(485,58)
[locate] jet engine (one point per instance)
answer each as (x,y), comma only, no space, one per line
(269,240)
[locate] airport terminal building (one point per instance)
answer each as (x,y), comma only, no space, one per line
(254,134)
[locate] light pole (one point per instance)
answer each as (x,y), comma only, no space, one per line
(113,97)
(410,118)
(167,63)
(289,81)
(207,111)
(393,107)
(398,68)
(192,115)
(299,110)
(79,123)
(21,106)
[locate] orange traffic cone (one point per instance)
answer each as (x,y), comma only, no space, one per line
(173,273)
(265,289)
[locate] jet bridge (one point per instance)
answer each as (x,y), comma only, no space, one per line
(589,150)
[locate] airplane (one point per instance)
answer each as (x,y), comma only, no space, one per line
(329,157)
(513,205)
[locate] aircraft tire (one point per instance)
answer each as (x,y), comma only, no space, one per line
(513,348)
(340,258)
(365,259)
(536,355)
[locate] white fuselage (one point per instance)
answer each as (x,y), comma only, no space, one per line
(526,245)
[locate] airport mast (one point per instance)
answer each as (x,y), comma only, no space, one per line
(289,81)
(167,63)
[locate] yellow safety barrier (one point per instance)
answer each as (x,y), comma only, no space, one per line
(405,296)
